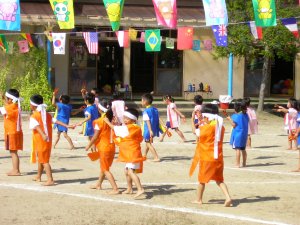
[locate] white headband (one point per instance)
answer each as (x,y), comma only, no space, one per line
(42,108)
(129,115)
(102,108)
(34,104)
(14,98)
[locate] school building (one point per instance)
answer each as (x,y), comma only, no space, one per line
(166,72)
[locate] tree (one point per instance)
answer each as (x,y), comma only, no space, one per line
(277,41)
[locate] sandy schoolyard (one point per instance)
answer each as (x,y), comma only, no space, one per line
(265,192)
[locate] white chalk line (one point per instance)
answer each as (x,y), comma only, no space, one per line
(264,171)
(51,190)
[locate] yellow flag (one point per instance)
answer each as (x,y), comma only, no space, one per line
(64,12)
(132,34)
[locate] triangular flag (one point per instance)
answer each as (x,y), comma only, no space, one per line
(37,40)
(207,45)
(220,32)
(3,43)
(10,18)
(59,42)
(196,45)
(264,13)
(28,38)
(215,12)
(256,31)
(23,46)
(185,38)
(166,12)
(152,40)
(123,38)
(10,47)
(132,34)
(114,9)
(170,43)
(142,38)
(291,24)
(64,13)
(48,35)
(91,40)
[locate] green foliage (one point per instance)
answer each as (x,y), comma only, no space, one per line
(28,74)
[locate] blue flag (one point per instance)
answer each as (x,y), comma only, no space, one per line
(220,32)
(196,45)
(10,18)
(215,12)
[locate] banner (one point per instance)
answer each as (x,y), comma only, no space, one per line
(255,31)
(91,40)
(142,38)
(10,18)
(59,42)
(196,45)
(185,38)
(132,34)
(3,43)
(170,42)
(220,32)
(23,46)
(291,25)
(28,38)
(215,12)
(152,40)
(207,45)
(264,13)
(123,38)
(64,13)
(114,9)
(166,12)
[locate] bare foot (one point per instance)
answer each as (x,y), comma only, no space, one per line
(298,170)
(49,183)
(289,149)
(228,203)
(37,179)
(244,165)
(127,192)
(113,192)
(295,148)
(237,166)
(139,193)
(156,160)
(14,173)
(72,148)
(161,140)
(96,186)
(197,202)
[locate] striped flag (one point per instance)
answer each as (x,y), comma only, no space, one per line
(291,25)
(91,40)
(256,31)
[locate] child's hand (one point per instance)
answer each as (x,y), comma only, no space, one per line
(55,91)
(183,118)
(86,148)
(83,91)
(73,126)
(225,113)
(79,124)
(44,137)
(82,107)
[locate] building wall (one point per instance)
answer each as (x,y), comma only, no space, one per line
(202,67)
(297,76)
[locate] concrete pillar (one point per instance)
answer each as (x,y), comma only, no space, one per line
(126,65)
(297,77)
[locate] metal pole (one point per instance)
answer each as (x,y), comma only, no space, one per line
(230,74)
(49,60)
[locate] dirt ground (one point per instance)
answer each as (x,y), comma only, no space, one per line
(265,192)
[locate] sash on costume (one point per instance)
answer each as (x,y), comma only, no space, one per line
(14,100)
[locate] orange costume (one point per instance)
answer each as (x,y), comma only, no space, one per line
(104,144)
(130,146)
(41,148)
(12,135)
(211,163)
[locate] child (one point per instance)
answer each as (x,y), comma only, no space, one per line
(173,117)
(240,122)
(13,135)
(106,148)
(298,137)
(198,100)
(209,152)
(41,124)
(290,120)
(94,91)
(118,107)
(64,110)
(252,121)
(129,141)
(150,125)
(91,113)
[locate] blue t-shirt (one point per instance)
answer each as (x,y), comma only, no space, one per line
(151,113)
(93,111)
(298,125)
(63,115)
(239,134)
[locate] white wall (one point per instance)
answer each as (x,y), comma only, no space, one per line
(297,76)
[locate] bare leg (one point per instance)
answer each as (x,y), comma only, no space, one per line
(200,192)
(16,164)
(112,182)
(249,141)
(295,144)
(153,151)
(99,182)
(146,150)
(244,154)
(289,145)
(137,182)
(38,177)
(298,170)
(48,171)
(228,201)
(129,183)
(180,134)
(57,139)
(69,140)
(237,158)
(163,136)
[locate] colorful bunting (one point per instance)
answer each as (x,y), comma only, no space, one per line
(48,35)
(38,40)
(123,38)
(152,40)
(256,31)
(185,38)
(23,46)
(59,42)
(166,12)
(10,18)
(132,34)
(64,12)
(291,24)
(28,38)
(10,45)
(207,45)
(114,9)
(142,38)
(196,45)
(170,42)
(264,13)
(91,40)
(215,12)
(3,43)
(220,32)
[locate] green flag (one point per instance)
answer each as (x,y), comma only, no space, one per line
(64,13)
(170,43)
(152,40)
(3,43)
(264,12)
(114,9)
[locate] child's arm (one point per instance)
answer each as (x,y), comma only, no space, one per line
(83,92)
(41,132)
(76,111)
(63,124)
(281,109)
(192,121)
(180,114)
(93,140)
(85,120)
(233,124)
(53,97)
(106,120)
(149,128)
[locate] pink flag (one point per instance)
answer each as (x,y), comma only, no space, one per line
(142,38)
(123,38)
(166,12)
(23,46)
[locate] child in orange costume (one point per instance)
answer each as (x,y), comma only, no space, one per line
(209,152)
(129,141)
(41,124)
(13,134)
(103,139)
